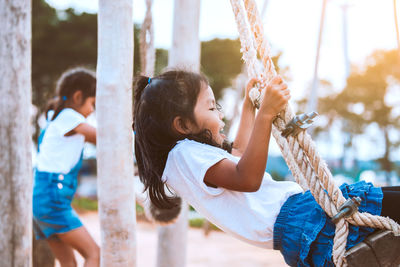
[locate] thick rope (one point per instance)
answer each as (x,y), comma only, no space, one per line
(147,51)
(316,161)
(250,60)
(308,161)
(254,70)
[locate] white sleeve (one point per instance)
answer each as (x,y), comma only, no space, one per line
(67,120)
(193,161)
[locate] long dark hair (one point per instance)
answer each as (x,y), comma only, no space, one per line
(70,81)
(157,102)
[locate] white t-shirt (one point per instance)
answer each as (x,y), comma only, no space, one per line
(247,216)
(59,153)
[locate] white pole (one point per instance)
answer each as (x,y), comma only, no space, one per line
(185,49)
(396,25)
(147,50)
(114,133)
(184,53)
(312,103)
(15,134)
(345,41)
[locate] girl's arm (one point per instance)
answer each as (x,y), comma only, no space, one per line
(246,124)
(86,130)
(248,173)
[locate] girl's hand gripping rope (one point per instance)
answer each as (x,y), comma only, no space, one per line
(251,88)
(275,98)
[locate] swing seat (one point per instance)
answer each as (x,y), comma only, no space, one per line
(380,249)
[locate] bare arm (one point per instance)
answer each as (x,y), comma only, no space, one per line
(248,173)
(86,130)
(246,124)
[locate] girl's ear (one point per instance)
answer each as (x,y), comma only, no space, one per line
(180,126)
(77,97)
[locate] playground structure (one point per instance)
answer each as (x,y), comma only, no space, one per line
(114,77)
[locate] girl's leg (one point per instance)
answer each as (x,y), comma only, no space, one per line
(63,252)
(391,198)
(81,240)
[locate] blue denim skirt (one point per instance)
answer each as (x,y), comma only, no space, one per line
(52,197)
(304,233)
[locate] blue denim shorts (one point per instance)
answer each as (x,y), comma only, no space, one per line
(52,197)
(304,233)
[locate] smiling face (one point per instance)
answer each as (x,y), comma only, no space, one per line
(208,116)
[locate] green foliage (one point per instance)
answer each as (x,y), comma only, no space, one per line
(83,203)
(136,49)
(139,210)
(199,223)
(220,62)
(62,40)
(87,204)
(65,39)
(161,60)
(58,44)
(366,89)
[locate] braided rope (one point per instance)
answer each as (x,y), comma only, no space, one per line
(254,70)
(146,46)
(309,163)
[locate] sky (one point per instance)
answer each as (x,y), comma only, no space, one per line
(291,27)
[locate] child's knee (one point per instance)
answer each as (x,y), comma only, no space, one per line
(94,253)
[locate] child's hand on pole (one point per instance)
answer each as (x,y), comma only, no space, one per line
(276,97)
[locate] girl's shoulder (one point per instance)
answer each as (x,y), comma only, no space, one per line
(67,113)
(194,148)
(66,121)
(191,144)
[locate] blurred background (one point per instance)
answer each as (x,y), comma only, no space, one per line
(340,58)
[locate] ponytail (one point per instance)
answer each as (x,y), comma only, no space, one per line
(140,84)
(72,80)
(57,105)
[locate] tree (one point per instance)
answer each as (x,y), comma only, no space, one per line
(114,133)
(58,44)
(65,39)
(221,62)
(364,101)
(15,140)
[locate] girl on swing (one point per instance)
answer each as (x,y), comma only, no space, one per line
(179,143)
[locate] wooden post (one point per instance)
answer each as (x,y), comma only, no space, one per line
(15,134)
(184,53)
(114,133)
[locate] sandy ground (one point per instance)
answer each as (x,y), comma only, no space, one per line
(215,250)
